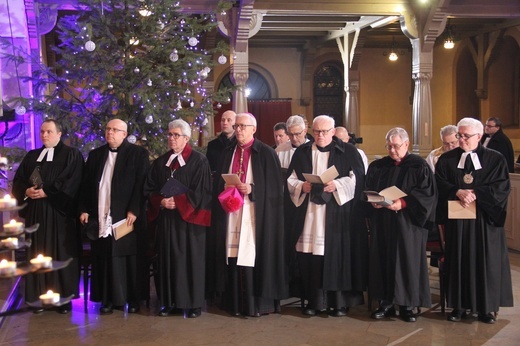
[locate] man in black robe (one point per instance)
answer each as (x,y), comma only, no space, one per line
(249,243)
(111,191)
(494,138)
(182,220)
(329,247)
(54,206)
(478,276)
(398,268)
(217,145)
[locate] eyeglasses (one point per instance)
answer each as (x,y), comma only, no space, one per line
(294,134)
(113,129)
(241,126)
(323,132)
(394,146)
(174,135)
(464,136)
(491,125)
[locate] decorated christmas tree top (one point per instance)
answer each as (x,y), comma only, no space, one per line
(141,61)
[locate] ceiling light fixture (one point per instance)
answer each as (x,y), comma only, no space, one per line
(448,37)
(394,53)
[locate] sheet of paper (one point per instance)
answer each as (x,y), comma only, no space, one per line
(231,179)
(457,211)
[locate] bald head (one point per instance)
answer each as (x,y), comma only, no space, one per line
(342,133)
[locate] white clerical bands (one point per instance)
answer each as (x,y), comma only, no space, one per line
(49,152)
(474,159)
(172,157)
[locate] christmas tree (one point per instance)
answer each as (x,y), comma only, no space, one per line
(143,61)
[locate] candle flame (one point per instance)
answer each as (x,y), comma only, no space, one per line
(40,256)
(3,262)
(50,292)
(12,222)
(7,197)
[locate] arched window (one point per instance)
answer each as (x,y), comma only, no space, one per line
(328,92)
(257,87)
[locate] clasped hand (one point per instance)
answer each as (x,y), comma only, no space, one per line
(466,197)
(168,203)
(244,189)
(34,193)
(328,187)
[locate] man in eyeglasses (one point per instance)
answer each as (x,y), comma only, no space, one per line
(248,245)
(321,233)
(474,178)
(495,138)
(297,132)
(111,192)
(398,267)
(449,141)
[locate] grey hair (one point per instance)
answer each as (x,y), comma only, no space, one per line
(473,123)
(295,120)
(448,130)
(397,131)
(249,115)
(180,124)
(325,117)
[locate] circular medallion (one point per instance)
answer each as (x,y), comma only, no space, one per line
(468,178)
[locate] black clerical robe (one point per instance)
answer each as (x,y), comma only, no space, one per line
(122,261)
(344,260)
(501,143)
(181,233)
(58,235)
(215,149)
(398,268)
(478,275)
(268,273)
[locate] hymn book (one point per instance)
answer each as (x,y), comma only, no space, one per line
(330,174)
(457,211)
(385,197)
(173,187)
(231,179)
(120,229)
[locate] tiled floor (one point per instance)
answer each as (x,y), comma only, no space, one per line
(215,327)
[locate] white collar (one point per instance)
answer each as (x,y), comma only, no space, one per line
(49,152)
(179,158)
(474,159)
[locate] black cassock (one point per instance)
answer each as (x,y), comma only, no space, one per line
(398,268)
(58,235)
(478,276)
(181,232)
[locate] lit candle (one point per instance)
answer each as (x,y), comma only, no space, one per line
(7,202)
(41,261)
(13,227)
(11,243)
(7,267)
(50,298)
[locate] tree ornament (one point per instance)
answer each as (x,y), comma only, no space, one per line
(149,119)
(90,46)
(136,69)
(219,105)
(131,139)
(20,110)
(174,56)
(110,86)
(193,41)
(149,83)
(203,74)
(192,104)
(222,59)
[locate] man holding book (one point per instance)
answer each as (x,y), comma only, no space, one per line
(398,266)
(322,234)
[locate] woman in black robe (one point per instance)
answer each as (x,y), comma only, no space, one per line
(182,217)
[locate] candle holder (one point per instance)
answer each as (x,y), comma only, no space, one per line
(50,298)
(41,262)
(7,267)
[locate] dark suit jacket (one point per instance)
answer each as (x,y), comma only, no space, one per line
(502,144)
(130,171)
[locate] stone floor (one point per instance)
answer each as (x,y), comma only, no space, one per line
(216,327)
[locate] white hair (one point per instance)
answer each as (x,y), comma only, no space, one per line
(473,123)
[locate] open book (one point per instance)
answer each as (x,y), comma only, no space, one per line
(385,197)
(330,174)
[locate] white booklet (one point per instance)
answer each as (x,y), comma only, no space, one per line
(330,174)
(385,197)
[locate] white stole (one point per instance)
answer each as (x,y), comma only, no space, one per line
(104,196)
